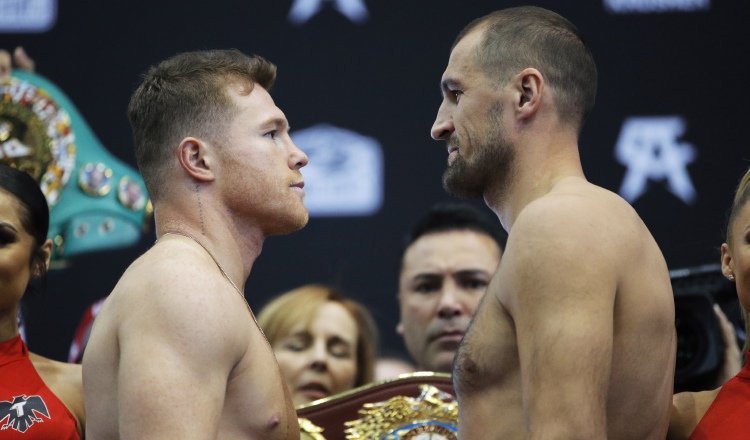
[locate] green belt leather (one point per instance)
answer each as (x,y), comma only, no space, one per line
(96,201)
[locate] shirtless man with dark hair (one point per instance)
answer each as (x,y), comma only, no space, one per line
(175,352)
(575,337)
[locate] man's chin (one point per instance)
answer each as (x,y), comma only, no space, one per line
(442,361)
(455,183)
(291,223)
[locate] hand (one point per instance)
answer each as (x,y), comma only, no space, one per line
(732,356)
(20,59)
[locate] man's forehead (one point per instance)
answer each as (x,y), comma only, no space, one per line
(465,52)
(259,104)
(462,60)
(451,250)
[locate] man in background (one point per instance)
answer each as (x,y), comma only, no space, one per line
(449,259)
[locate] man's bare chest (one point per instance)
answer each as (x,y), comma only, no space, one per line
(488,355)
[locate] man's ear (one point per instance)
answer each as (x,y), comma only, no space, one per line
(529,87)
(400,328)
(195,158)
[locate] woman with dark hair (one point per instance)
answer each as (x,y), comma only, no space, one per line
(724,413)
(324,343)
(39,398)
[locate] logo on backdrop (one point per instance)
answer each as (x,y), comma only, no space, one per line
(22,412)
(655,6)
(649,148)
(304,10)
(344,176)
(27,16)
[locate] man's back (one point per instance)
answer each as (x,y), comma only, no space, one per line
(576,333)
(176,353)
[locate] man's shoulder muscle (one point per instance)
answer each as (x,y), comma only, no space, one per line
(178,294)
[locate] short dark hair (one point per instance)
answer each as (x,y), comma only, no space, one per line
(33,211)
(529,36)
(455,216)
(186,95)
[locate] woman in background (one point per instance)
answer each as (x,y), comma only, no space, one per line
(39,398)
(324,344)
(724,413)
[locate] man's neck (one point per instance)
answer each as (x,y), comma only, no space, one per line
(537,169)
(235,248)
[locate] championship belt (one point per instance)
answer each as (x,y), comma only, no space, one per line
(415,406)
(96,201)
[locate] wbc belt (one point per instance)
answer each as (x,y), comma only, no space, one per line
(96,201)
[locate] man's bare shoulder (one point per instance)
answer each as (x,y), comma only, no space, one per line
(580,213)
(576,228)
(176,284)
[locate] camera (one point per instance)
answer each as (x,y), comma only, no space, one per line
(700,347)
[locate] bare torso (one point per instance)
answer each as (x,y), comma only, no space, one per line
(223,382)
(526,368)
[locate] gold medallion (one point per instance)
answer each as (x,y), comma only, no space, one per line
(433,415)
(309,431)
(36,136)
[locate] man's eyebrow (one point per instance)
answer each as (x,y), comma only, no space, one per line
(426,276)
(276,122)
(471,273)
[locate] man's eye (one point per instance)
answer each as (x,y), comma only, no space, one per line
(425,287)
(474,284)
(457,94)
(271,134)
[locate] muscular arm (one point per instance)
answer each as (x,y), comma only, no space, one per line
(176,353)
(562,303)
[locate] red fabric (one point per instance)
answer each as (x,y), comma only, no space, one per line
(81,338)
(728,417)
(28,409)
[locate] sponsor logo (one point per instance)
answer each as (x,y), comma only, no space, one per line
(649,148)
(344,176)
(304,10)
(22,413)
(27,16)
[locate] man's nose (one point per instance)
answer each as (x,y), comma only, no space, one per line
(298,158)
(442,128)
(450,304)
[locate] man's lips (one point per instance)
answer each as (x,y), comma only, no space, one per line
(297,187)
(448,336)
(452,154)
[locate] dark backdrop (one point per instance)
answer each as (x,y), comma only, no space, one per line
(380,78)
